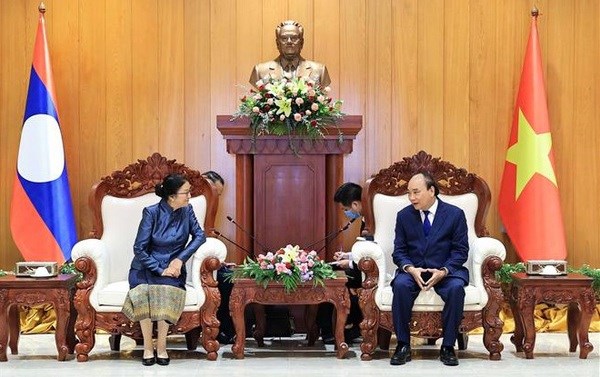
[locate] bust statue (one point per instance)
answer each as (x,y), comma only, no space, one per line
(289,36)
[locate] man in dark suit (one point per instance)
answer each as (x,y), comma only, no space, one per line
(430,248)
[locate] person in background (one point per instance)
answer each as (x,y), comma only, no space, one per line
(168,235)
(348,196)
(226,330)
(430,247)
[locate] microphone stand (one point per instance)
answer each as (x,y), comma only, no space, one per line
(331,235)
(230,219)
(220,235)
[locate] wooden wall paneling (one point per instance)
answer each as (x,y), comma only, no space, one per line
(223,101)
(171,79)
(273,12)
(92,94)
(404,77)
(197,100)
(560,19)
(14,76)
(455,135)
(378,118)
(327,45)
(430,45)
(119,141)
(585,125)
(248,45)
(144,76)
(303,12)
(352,84)
(482,58)
(64,51)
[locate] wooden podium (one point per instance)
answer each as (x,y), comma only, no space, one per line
(284,195)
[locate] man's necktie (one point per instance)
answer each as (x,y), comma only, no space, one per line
(426,223)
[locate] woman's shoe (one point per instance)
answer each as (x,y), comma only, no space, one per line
(163,360)
(149,361)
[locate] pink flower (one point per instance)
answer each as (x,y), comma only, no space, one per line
(282,117)
(270,101)
(314,107)
(327,89)
(281,268)
(297,117)
(308,112)
(299,101)
(255,109)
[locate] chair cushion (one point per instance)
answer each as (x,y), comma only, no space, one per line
(427,300)
(114,294)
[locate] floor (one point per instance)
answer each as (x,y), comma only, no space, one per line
(290,357)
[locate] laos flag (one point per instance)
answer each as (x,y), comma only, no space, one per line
(41,211)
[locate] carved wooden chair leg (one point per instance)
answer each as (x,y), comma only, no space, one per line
(431,341)
(115,342)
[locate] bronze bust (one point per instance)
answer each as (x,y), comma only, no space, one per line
(289,36)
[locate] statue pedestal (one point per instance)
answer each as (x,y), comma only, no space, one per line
(285,196)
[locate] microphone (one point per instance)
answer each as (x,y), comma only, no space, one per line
(331,235)
(230,219)
(220,235)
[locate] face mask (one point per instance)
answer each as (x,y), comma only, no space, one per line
(351,215)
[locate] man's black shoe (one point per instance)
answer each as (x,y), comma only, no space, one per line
(447,356)
(401,355)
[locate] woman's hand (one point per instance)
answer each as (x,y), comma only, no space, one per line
(175,267)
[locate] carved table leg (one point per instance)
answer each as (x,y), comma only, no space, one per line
(237,303)
(588,305)
(342,308)
(63,311)
(517,337)
(526,305)
(71,339)
(3,329)
(573,321)
(14,329)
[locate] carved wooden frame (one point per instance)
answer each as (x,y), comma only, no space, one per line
(393,181)
(136,180)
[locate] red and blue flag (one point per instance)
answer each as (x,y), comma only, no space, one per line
(41,211)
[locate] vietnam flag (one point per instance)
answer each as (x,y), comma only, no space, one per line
(41,211)
(529,203)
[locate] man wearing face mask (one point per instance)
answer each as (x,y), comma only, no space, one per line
(348,196)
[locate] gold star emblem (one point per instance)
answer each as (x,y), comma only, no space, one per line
(530,154)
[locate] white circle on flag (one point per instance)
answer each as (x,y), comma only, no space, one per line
(41,155)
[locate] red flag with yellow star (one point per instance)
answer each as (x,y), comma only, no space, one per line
(529,203)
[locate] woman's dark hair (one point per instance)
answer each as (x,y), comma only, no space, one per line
(170,185)
(430,182)
(347,193)
(214,177)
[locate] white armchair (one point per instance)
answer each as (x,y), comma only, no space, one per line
(117,202)
(385,195)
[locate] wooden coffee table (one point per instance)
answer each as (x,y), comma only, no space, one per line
(573,289)
(57,291)
(246,291)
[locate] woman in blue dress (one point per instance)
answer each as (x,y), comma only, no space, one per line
(167,237)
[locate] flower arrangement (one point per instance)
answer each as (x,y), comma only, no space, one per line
(290,106)
(289,265)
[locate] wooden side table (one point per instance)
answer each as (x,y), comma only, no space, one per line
(573,289)
(57,291)
(246,291)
